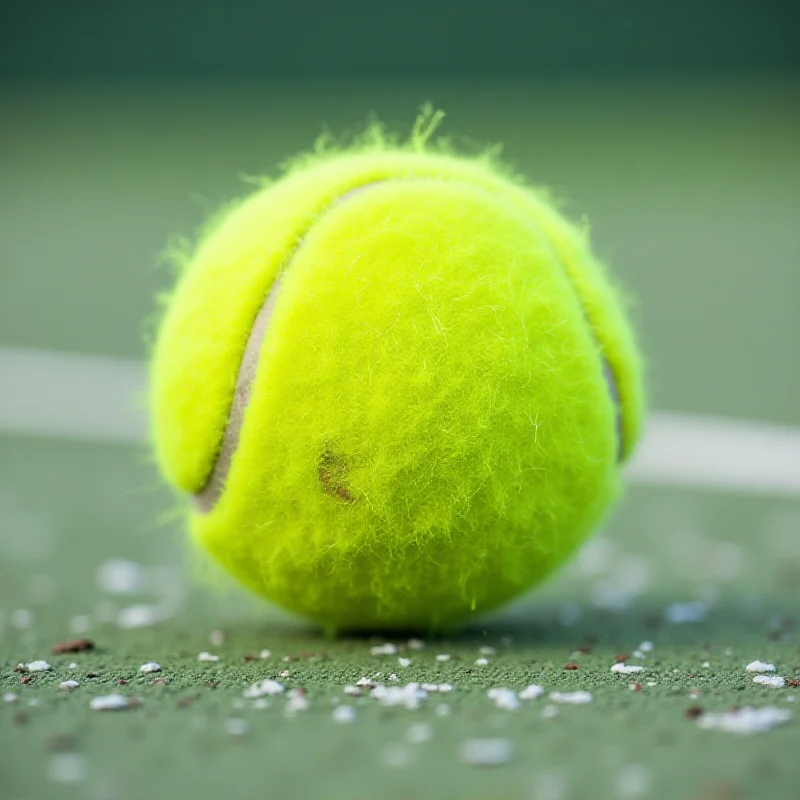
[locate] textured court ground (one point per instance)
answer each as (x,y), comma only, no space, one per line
(693,193)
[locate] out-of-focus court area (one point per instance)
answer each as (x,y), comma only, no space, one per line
(691,184)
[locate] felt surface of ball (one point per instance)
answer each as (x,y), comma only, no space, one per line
(397,387)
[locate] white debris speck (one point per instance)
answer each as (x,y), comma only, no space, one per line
(419,733)
(531,692)
(504,698)
(404,662)
(443,657)
(572,698)
(236,726)
(21,619)
(692,611)
(706,664)
(139,615)
(444,687)
(746,720)
(67,768)
(487,651)
(284,673)
(109,702)
(626,669)
(408,696)
(217,637)
(646,647)
(486,752)
(68,686)
(295,704)
(119,576)
(760,666)
(264,654)
(72,665)
(430,687)
(80,624)
(365,681)
(481,662)
(639,654)
(396,755)
(38,666)
(344,714)
(150,666)
(9,697)
(387,649)
(204,656)
(393,677)
(652,683)
(634,780)
(263,688)
(416,644)
(774,681)
(353,691)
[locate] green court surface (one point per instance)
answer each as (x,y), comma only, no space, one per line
(693,193)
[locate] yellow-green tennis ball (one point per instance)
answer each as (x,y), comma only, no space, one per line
(398,388)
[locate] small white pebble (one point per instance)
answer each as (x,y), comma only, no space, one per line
(263,688)
(264,654)
(396,755)
(646,647)
(443,710)
(695,694)
(416,644)
(236,726)
(295,704)
(353,691)
(150,666)
(344,714)
(419,733)
(204,656)
(9,697)
(72,665)
(68,686)
(531,692)
(652,683)
(284,673)
(393,677)
(430,687)
(504,698)
(487,651)
(443,657)
(38,666)
(387,649)
(626,669)
(773,681)
(572,698)
(404,662)
(706,664)
(444,687)
(745,720)
(365,681)
(486,752)
(481,662)
(67,768)
(760,666)
(109,702)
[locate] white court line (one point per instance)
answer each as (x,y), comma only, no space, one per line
(69,396)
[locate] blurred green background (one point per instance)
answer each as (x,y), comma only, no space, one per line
(673,127)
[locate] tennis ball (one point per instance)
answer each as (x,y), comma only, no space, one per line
(396,387)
